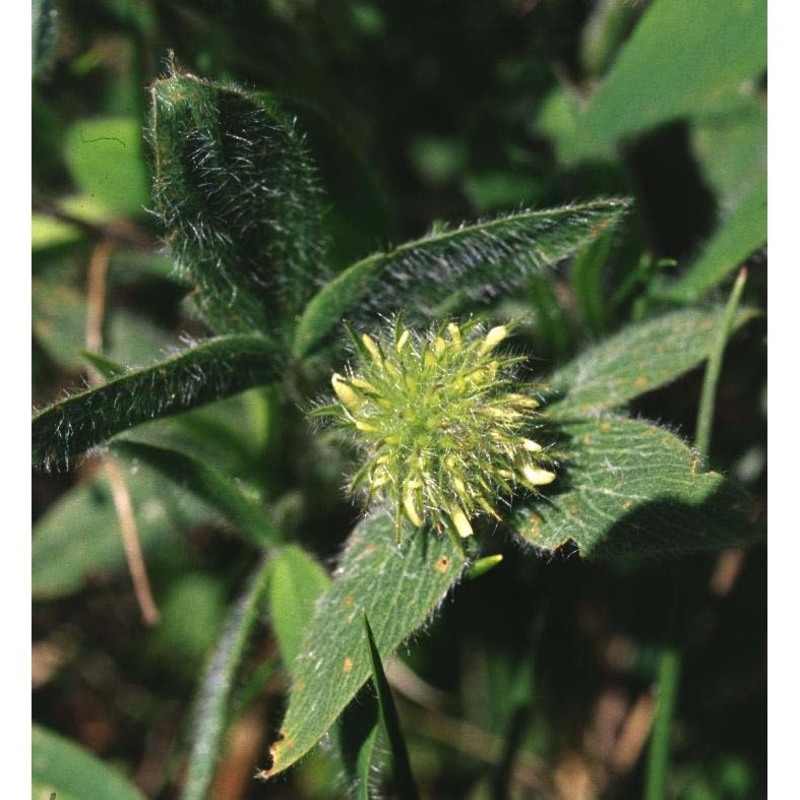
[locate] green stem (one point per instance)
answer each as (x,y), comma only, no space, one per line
(705,414)
(658,757)
(669,666)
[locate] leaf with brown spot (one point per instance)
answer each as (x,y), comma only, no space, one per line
(610,374)
(399,587)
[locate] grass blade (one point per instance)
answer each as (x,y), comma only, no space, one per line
(404,779)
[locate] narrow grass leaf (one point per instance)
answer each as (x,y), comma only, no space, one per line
(216,368)
(404,779)
(357,744)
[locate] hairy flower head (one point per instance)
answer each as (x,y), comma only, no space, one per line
(440,422)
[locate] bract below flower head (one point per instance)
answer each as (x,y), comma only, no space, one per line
(441,423)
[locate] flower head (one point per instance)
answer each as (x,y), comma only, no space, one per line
(440,422)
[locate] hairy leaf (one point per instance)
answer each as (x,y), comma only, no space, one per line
(449,267)
(631,488)
(215,689)
(211,370)
(399,587)
(237,192)
(637,360)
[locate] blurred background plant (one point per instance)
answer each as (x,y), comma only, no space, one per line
(539,680)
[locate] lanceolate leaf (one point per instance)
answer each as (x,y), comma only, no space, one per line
(209,371)
(238,195)
(637,360)
(210,486)
(399,587)
(449,267)
(631,488)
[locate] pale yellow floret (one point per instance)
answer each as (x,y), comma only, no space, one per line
(531,446)
(493,338)
(349,397)
(461,523)
(536,476)
(523,401)
(409,504)
(373,348)
(401,342)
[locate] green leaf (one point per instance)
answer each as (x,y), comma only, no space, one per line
(106,160)
(399,587)
(631,488)
(212,705)
(68,771)
(404,779)
(296,581)
(739,236)
(731,150)
(237,193)
(360,213)
(683,58)
(79,536)
(211,370)
(107,367)
(609,23)
(639,359)
(473,261)
(44,34)
(48,232)
(233,434)
(210,486)
(587,283)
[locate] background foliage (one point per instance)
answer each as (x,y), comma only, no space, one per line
(534,679)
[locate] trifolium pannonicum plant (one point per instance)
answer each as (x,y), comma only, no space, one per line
(441,422)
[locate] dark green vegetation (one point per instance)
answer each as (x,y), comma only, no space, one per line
(218,189)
